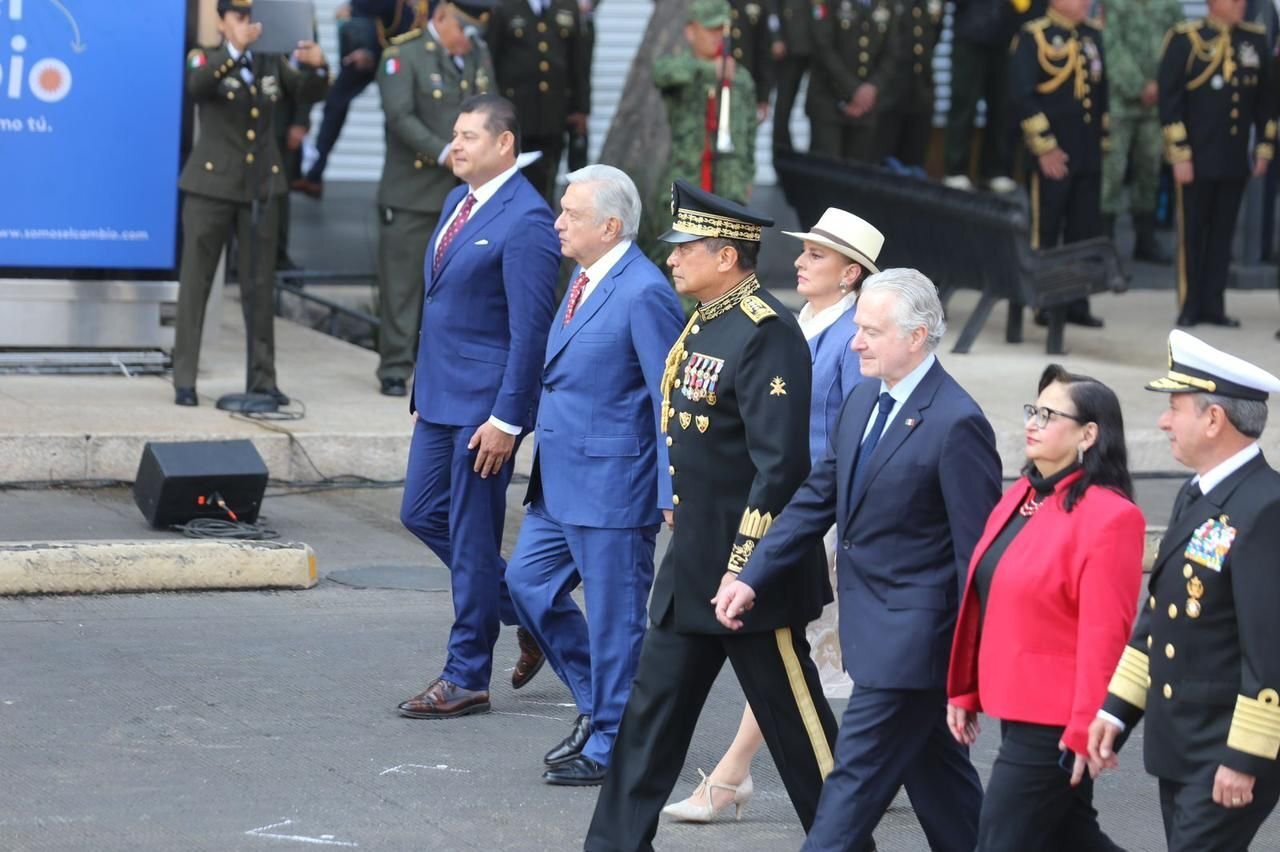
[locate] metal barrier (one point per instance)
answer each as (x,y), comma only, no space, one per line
(293,283)
(959,239)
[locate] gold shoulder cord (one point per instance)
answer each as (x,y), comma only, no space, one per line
(1072,59)
(1216,54)
(672,369)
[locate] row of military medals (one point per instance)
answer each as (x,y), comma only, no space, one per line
(701,373)
(1195,591)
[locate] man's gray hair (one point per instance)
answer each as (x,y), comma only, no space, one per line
(917,304)
(1248,416)
(615,196)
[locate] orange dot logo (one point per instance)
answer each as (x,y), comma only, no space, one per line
(49,80)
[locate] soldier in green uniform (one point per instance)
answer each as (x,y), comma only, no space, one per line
(542,57)
(857,48)
(232,179)
(423,77)
(791,49)
(1058,90)
(1214,87)
(1201,665)
(906,115)
(750,41)
(1133,35)
(735,410)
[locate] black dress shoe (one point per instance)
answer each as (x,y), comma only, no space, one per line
(394,387)
(578,771)
(571,746)
(278,395)
(1224,321)
(1186,320)
(185,396)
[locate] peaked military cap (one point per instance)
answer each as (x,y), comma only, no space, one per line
(475,10)
(699,214)
(225,6)
(1196,367)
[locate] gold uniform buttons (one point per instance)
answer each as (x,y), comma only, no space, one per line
(208,167)
(464,85)
(675,499)
(1151,602)
(1173,610)
(671,469)
(1187,570)
(862,71)
(437,94)
(543,47)
(275,170)
(544,65)
(231,96)
(918,49)
(253,113)
(542,26)
(737,33)
(670,440)
(696,328)
(417,164)
(864,57)
(250,135)
(544,86)
(248,158)
(918,67)
(1149,640)
(919,31)
(737,53)
(1086,103)
(1235,113)
(1167,691)
(1169,650)
(863,41)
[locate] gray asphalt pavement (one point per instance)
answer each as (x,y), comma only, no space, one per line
(265,720)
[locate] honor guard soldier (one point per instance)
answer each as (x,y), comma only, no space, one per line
(791,50)
(735,412)
(1202,665)
(232,179)
(858,48)
(541,54)
(1213,82)
(423,77)
(750,40)
(1058,89)
(906,117)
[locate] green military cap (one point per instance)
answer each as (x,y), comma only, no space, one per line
(709,13)
(700,214)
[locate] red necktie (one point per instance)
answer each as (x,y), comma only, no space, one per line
(575,295)
(452,231)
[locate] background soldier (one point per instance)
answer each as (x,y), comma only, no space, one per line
(1202,664)
(424,77)
(1058,88)
(752,45)
(857,47)
(1133,34)
(1213,76)
(791,48)
(543,65)
(736,412)
(231,178)
(906,119)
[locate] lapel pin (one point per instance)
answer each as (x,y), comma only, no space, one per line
(910,421)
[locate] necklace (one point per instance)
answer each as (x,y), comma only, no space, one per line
(1030,507)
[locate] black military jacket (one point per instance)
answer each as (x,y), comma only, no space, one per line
(236,156)
(1204,659)
(854,43)
(1058,87)
(795,24)
(542,63)
(752,42)
(1213,87)
(736,414)
(922,20)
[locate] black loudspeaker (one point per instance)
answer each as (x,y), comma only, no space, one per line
(200,479)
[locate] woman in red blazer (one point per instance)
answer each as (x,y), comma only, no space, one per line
(1046,612)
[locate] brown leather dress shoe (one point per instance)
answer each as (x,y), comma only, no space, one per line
(444,700)
(531,659)
(310,188)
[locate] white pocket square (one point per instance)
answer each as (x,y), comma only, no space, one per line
(482,242)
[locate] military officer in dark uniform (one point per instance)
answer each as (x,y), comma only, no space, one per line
(231,180)
(906,119)
(1058,88)
(1214,87)
(857,48)
(1202,666)
(791,49)
(750,41)
(424,76)
(735,411)
(542,62)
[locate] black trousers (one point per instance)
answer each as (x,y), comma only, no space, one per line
(542,173)
(904,136)
(673,677)
(349,83)
(1207,211)
(1066,211)
(790,70)
(1194,823)
(1030,803)
(978,72)
(847,142)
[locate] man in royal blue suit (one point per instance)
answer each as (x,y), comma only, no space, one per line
(490,272)
(910,479)
(601,479)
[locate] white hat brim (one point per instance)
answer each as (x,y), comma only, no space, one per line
(848,251)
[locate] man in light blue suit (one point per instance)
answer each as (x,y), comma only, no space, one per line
(490,270)
(601,482)
(910,479)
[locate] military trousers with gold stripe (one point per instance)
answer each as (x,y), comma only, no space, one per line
(674,676)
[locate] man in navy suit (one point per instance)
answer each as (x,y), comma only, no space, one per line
(490,272)
(910,479)
(601,478)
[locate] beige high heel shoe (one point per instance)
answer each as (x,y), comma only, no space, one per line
(700,806)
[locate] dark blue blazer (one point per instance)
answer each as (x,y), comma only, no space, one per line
(905,536)
(600,461)
(486,311)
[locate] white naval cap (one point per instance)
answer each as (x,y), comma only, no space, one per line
(1196,367)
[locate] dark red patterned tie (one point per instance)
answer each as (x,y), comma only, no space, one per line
(575,295)
(455,226)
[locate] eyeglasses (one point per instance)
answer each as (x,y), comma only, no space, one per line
(1044,414)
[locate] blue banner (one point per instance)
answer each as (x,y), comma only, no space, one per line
(90,130)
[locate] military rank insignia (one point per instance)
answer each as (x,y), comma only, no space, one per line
(701,373)
(1210,543)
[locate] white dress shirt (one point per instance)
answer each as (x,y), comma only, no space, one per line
(246,71)
(597,271)
(899,392)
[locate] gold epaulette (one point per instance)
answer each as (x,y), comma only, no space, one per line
(405,37)
(1037,24)
(756,308)
(1255,726)
(1131,681)
(389,51)
(1189,26)
(1252,27)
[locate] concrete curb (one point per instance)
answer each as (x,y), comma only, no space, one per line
(46,568)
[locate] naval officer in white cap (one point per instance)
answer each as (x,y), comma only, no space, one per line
(1203,664)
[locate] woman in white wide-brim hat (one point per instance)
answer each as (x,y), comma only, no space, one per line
(839,252)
